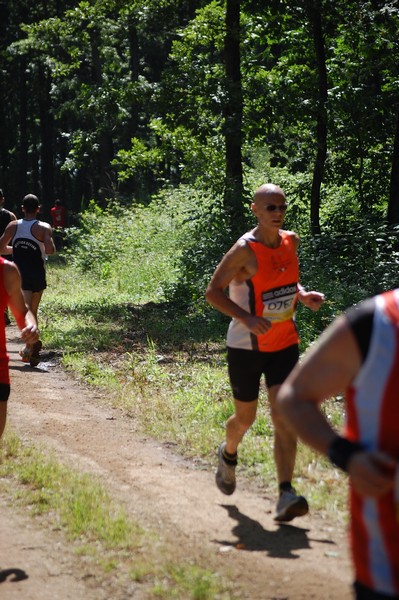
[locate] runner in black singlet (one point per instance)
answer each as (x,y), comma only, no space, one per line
(31,240)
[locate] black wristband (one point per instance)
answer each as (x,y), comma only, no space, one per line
(341,450)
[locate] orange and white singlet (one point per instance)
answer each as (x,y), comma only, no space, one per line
(373,420)
(272,293)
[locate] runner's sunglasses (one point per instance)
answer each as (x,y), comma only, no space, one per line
(273,207)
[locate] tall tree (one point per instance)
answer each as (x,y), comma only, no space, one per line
(233,110)
(21,184)
(46,138)
(314,12)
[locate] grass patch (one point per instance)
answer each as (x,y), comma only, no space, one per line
(76,502)
(79,315)
(195,583)
(185,397)
(97,527)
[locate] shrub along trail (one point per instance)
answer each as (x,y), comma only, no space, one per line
(166,494)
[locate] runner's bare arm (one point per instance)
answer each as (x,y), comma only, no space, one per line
(312,300)
(7,237)
(327,369)
(324,371)
(48,241)
(234,265)
(295,238)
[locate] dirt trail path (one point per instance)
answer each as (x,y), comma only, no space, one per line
(162,491)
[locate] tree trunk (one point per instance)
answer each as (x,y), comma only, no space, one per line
(22,183)
(103,180)
(234,188)
(393,204)
(47,141)
(314,12)
(134,65)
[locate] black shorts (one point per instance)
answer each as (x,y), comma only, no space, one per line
(4,392)
(33,284)
(246,368)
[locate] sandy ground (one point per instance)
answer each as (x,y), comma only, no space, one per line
(235,535)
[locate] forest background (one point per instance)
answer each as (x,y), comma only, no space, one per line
(154,121)
(127,103)
(122,101)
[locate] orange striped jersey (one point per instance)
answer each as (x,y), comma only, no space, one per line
(373,420)
(272,293)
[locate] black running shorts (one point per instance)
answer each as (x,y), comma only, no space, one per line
(35,283)
(246,368)
(4,392)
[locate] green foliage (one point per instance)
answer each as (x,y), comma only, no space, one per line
(192,583)
(196,74)
(172,154)
(138,159)
(349,265)
(353,258)
(131,251)
(208,236)
(132,95)
(186,144)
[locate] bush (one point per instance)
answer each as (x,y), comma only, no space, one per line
(348,266)
(169,249)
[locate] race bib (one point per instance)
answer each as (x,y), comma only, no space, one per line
(279,303)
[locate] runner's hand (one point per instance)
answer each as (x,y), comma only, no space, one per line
(312,300)
(372,473)
(30,334)
(257,325)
